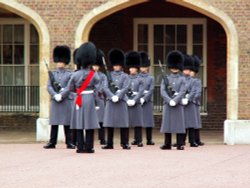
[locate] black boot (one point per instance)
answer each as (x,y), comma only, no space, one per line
(109,144)
(68,137)
(53,138)
(167,142)
(49,146)
(166,147)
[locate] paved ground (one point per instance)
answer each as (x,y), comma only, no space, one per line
(212,166)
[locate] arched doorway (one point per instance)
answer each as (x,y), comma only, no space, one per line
(24,45)
(87,25)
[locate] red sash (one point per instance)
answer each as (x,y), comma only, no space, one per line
(83,87)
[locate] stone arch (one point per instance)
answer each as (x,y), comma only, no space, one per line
(89,19)
(30,15)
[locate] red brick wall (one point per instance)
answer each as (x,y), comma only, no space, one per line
(117,31)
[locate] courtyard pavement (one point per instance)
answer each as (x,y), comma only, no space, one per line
(24,163)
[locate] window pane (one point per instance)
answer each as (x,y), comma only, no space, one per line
(7,75)
(34,54)
(19,34)
(200,74)
(7,54)
(7,33)
(142,33)
(0,54)
(143,48)
(197,50)
(19,54)
(181,34)
(34,39)
(1,34)
(1,75)
(182,48)
(170,34)
(158,53)
(158,74)
(34,76)
(198,34)
(19,76)
(158,34)
(169,48)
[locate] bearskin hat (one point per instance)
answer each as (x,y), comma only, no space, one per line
(61,54)
(99,55)
(175,60)
(145,60)
(132,59)
(188,62)
(197,62)
(86,54)
(116,57)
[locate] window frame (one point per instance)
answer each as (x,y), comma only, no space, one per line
(172,21)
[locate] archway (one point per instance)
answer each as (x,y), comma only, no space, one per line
(87,22)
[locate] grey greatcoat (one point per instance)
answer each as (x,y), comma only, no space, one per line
(147,107)
(197,101)
(85,117)
(100,96)
(173,117)
(135,112)
(190,108)
(60,112)
(116,114)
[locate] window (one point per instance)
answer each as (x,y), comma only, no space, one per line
(19,53)
(19,66)
(158,36)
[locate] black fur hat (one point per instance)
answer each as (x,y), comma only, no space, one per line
(74,56)
(86,54)
(116,57)
(175,60)
(145,60)
(132,59)
(99,55)
(188,62)
(78,65)
(61,54)
(197,63)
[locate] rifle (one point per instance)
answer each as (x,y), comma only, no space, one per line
(112,86)
(56,86)
(169,89)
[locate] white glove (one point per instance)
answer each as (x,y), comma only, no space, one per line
(131,102)
(58,97)
(172,103)
(142,100)
(115,99)
(184,101)
(97,107)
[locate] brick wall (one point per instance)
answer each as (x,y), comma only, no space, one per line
(240,14)
(18,121)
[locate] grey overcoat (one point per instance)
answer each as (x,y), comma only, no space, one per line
(86,116)
(60,112)
(116,114)
(173,117)
(147,107)
(135,112)
(190,111)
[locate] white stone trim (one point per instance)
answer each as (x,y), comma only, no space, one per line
(237,132)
